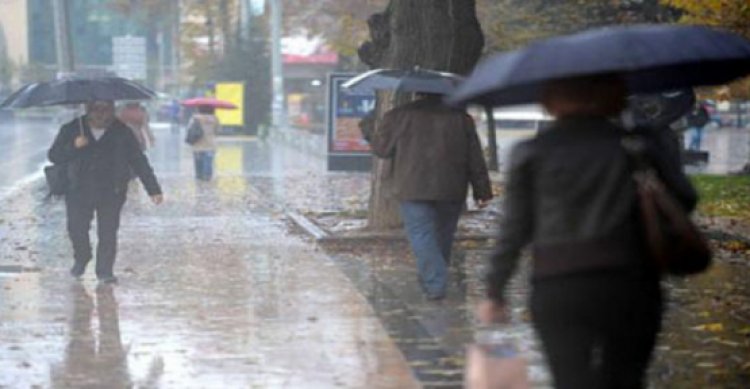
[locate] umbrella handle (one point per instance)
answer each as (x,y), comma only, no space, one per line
(80,124)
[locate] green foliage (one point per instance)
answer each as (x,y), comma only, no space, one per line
(727,196)
(732,15)
(509,24)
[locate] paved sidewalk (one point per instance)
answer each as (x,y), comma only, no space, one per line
(214,293)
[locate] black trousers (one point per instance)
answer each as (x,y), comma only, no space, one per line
(80,212)
(598,330)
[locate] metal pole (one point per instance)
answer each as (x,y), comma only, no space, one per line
(65,64)
(491,139)
(277,106)
(177,19)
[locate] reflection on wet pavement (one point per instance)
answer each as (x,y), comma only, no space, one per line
(213,293)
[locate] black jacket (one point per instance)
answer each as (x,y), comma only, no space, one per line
(569,191)
(117,155)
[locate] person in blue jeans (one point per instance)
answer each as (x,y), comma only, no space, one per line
(436,155)
(205,148)
(696,120)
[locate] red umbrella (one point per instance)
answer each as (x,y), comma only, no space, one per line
(208,102)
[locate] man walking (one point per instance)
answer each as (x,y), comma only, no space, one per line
(99,153)
(436,154)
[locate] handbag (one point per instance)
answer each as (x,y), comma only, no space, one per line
(57,179)
(674,242)
(194,132)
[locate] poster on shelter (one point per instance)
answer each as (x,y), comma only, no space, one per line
(345,110)
(233,92)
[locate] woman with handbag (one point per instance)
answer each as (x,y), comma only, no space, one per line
(206,125)
(596,301)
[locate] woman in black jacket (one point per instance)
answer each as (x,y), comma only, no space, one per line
(596,302)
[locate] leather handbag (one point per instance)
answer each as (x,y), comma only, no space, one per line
(194,132)
(57,179)
(675,243)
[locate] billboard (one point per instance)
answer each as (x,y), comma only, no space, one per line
(234,92)
(129,57)
(345,110)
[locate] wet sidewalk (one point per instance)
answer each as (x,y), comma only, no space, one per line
(214,292)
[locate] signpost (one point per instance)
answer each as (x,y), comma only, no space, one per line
(129,57)
(347,149)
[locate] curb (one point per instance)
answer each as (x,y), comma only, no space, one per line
(323,236)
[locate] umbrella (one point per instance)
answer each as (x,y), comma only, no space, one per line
(208,102)
(73,90)
(651,58)
(414,80)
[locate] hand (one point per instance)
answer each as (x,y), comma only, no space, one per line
(489,312)
(80,141)
(483,203)
(157,199)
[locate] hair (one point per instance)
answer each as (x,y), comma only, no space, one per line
(601,95)
(206,110)
(90,104)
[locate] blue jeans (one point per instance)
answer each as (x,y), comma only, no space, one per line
(431,226)
(696,138)
(204,164)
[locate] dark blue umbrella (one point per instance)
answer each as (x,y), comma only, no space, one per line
(651,58)
(76,91)
(414,80)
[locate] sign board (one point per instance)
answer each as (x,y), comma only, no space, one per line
(347,149)
(129,58)
(233,92)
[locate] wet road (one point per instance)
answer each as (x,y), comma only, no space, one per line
(213,290)
(23,145)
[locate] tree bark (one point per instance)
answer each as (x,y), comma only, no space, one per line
(433,34)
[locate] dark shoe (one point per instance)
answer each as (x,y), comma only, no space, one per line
(78,269)
(109,280)
(434,296)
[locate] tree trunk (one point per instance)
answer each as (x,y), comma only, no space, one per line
(433,34)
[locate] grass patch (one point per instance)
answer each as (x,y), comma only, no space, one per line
(726,196)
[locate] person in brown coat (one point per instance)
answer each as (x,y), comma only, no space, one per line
(437,154)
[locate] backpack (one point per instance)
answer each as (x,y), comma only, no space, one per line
(194,132)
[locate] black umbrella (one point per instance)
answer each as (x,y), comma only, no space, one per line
(414,80)
(76,91)
(651,58)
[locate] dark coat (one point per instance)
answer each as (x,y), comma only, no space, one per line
(436,152)
(570,192)
(117,154)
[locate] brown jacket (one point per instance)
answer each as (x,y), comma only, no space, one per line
(436,152)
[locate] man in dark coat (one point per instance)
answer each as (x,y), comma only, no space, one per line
(436,154)
(99,153)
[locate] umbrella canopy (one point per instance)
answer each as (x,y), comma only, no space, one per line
(414,80)
(76,91)
(208,102)
(651,58)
